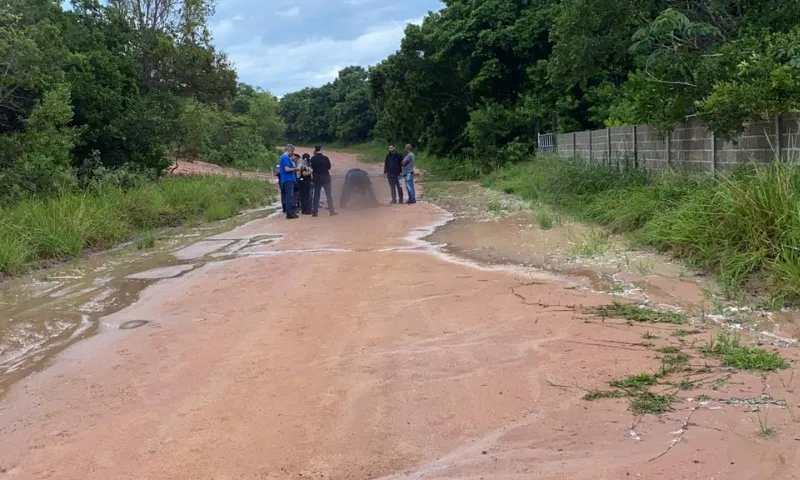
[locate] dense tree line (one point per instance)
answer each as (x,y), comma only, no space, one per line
(487,74)
(102,92)
(338,111)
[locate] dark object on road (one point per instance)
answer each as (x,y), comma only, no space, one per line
(357,184)
(131,324)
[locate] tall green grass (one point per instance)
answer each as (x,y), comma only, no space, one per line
(744,226)
(63,227)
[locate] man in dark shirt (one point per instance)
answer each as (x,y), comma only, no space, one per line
(393,168)
(321,167)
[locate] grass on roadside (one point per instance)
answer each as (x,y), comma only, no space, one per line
(146,242)
(63,227)
(745,226)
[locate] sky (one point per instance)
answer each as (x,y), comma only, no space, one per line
(287,45)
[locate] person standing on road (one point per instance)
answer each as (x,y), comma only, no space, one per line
(288,181)
(408,173)
(304,184)
(393,168)
(321,166)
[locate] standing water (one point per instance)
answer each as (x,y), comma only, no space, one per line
(46,311)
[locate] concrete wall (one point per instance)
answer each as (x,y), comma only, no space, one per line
(689,147)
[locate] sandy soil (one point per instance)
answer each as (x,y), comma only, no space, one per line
(350,349)
(196,167)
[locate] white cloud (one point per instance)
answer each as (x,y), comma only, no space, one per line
(291,12)
(225,26)
(287,67)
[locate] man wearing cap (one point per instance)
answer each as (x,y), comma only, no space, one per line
(288,180)
(321,168)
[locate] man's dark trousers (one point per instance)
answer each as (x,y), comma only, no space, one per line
(319,184)
(394,185)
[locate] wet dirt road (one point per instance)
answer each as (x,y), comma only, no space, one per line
(349,348)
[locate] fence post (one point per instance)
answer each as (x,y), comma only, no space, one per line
(778,138)
(635,147)
(574,145)
(608,143)
(713,152)
(669,150)
(590,146)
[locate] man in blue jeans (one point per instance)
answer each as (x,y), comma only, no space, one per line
(408,173)
(288,180)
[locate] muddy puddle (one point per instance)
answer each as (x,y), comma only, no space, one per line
(493,228)
(47,310)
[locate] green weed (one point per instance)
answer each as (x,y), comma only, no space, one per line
(593,245)
(764,430)
(599,394)
(639,314)
(495,207)
(545,220)
(635,382)
(673,362)
(728,348)
(146,242)
(669,350)
(681,333)
(686,385)
(651,403)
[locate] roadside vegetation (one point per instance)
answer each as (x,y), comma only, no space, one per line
(745,226)
(97,100)
(66,225)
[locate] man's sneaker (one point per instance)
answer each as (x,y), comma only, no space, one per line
(393,202)
(333,214)
(292,217)
(315,215)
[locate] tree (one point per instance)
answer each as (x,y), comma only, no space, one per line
(263,110)
(38,161)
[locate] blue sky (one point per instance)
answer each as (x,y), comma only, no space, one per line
(286,45)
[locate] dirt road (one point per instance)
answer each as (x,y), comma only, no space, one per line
(349,348)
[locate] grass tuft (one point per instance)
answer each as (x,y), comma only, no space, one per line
(600,394)
(146,242)
(635,382)
(639,314)
(651,403)
(729,349)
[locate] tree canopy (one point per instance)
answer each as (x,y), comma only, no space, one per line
(488,74)
(119,85)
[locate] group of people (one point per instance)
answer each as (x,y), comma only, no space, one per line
(302,180)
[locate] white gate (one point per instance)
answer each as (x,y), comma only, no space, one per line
(547,142)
